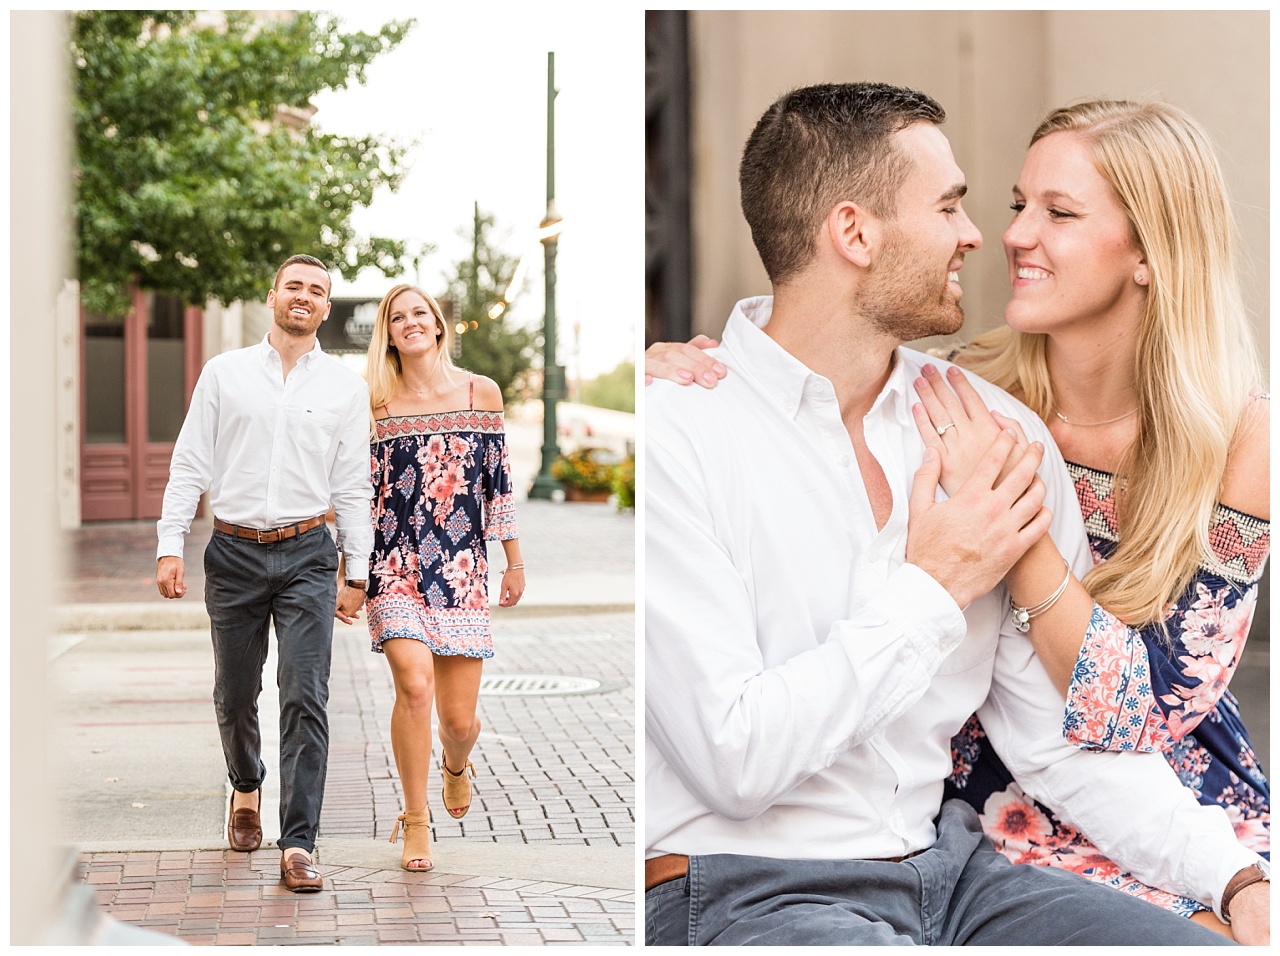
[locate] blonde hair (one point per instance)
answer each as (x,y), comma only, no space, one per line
(1197,363)
(383,371)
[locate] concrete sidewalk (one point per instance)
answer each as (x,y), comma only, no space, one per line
(546,854)
(580,557)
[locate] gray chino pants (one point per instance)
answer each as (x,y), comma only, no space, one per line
(295,584)
(959,892)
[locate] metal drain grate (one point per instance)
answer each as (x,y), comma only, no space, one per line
(519,685)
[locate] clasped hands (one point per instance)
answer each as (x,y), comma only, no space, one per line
(350,601)
(995,508)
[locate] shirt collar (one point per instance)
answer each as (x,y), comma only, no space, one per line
(269,354)
(785,377)
(897,395)
(781,374)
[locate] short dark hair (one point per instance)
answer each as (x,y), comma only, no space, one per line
(301,260)
(818,146)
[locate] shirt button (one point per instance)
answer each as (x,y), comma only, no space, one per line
(843,461)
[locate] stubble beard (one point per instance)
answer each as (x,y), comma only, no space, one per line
(905,302)
(292,324)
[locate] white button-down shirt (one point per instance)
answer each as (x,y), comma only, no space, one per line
(272,451)
(803,682)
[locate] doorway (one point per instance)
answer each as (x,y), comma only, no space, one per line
(138,371)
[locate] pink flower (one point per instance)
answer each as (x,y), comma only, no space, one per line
(458,571)
(459,446)
(1208,670)
(1204,629)
(1009,818)
(451,482)
(1252,832)
(1087,858)
(465,561)
(392,564)
(407,584)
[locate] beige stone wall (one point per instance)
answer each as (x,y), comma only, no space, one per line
(997,73)
(39,251)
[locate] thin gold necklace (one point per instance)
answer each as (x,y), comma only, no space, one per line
(1109,421)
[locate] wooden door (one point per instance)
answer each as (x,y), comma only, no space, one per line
(137,374)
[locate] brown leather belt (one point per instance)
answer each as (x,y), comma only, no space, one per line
(663,869)
(270,535)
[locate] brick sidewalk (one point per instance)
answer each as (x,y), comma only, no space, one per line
(554,773)
(235,899)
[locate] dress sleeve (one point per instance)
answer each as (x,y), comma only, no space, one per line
(495,481)
(1135,689)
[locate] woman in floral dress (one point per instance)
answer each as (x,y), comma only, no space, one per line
(1126,333)
(442,487)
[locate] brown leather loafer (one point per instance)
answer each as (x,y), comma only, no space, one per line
(244,828)
(300,874)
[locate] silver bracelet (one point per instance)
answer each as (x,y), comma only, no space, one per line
(1022,615)
(514,567)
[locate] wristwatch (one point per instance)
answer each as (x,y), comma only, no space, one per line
(353,583)
(1257,873)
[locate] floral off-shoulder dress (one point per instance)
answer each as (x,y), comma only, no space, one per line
(1134,689)
(442,487)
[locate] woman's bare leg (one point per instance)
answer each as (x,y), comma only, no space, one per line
(457,693)
(412,671)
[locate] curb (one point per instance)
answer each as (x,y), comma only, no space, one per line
(156,616)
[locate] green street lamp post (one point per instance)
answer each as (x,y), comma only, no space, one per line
(553,378)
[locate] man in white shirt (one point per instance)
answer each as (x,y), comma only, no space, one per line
(818,626)
(277,433)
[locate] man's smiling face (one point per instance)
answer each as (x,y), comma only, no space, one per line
(301,300)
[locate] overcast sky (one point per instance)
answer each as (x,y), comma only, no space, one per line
(469,85)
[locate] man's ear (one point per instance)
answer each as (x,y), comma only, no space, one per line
(853,232)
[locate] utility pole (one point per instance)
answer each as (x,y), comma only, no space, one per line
(553,379)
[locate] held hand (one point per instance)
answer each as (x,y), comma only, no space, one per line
(968,542)
(512,588)
(683,363)
(169,576)
(350,601)
(968,428)
(1251,915)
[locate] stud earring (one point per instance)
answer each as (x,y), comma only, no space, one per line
(1140,278)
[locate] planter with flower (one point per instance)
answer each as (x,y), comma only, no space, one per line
(624,484)
(586,473)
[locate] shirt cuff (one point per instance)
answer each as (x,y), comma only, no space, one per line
(170,547)
(1233,864)
(918,604)
(357,566)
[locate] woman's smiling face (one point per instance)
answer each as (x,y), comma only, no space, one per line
(411,325)
(1071,250)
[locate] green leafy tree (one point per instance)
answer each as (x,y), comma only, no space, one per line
(615,389)
(188,181)
(496,346)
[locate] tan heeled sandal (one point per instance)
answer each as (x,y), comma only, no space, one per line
(457,788)
(417,839)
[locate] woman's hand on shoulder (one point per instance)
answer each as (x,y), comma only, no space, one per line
(488,397)
(1246,483)
(683,362)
